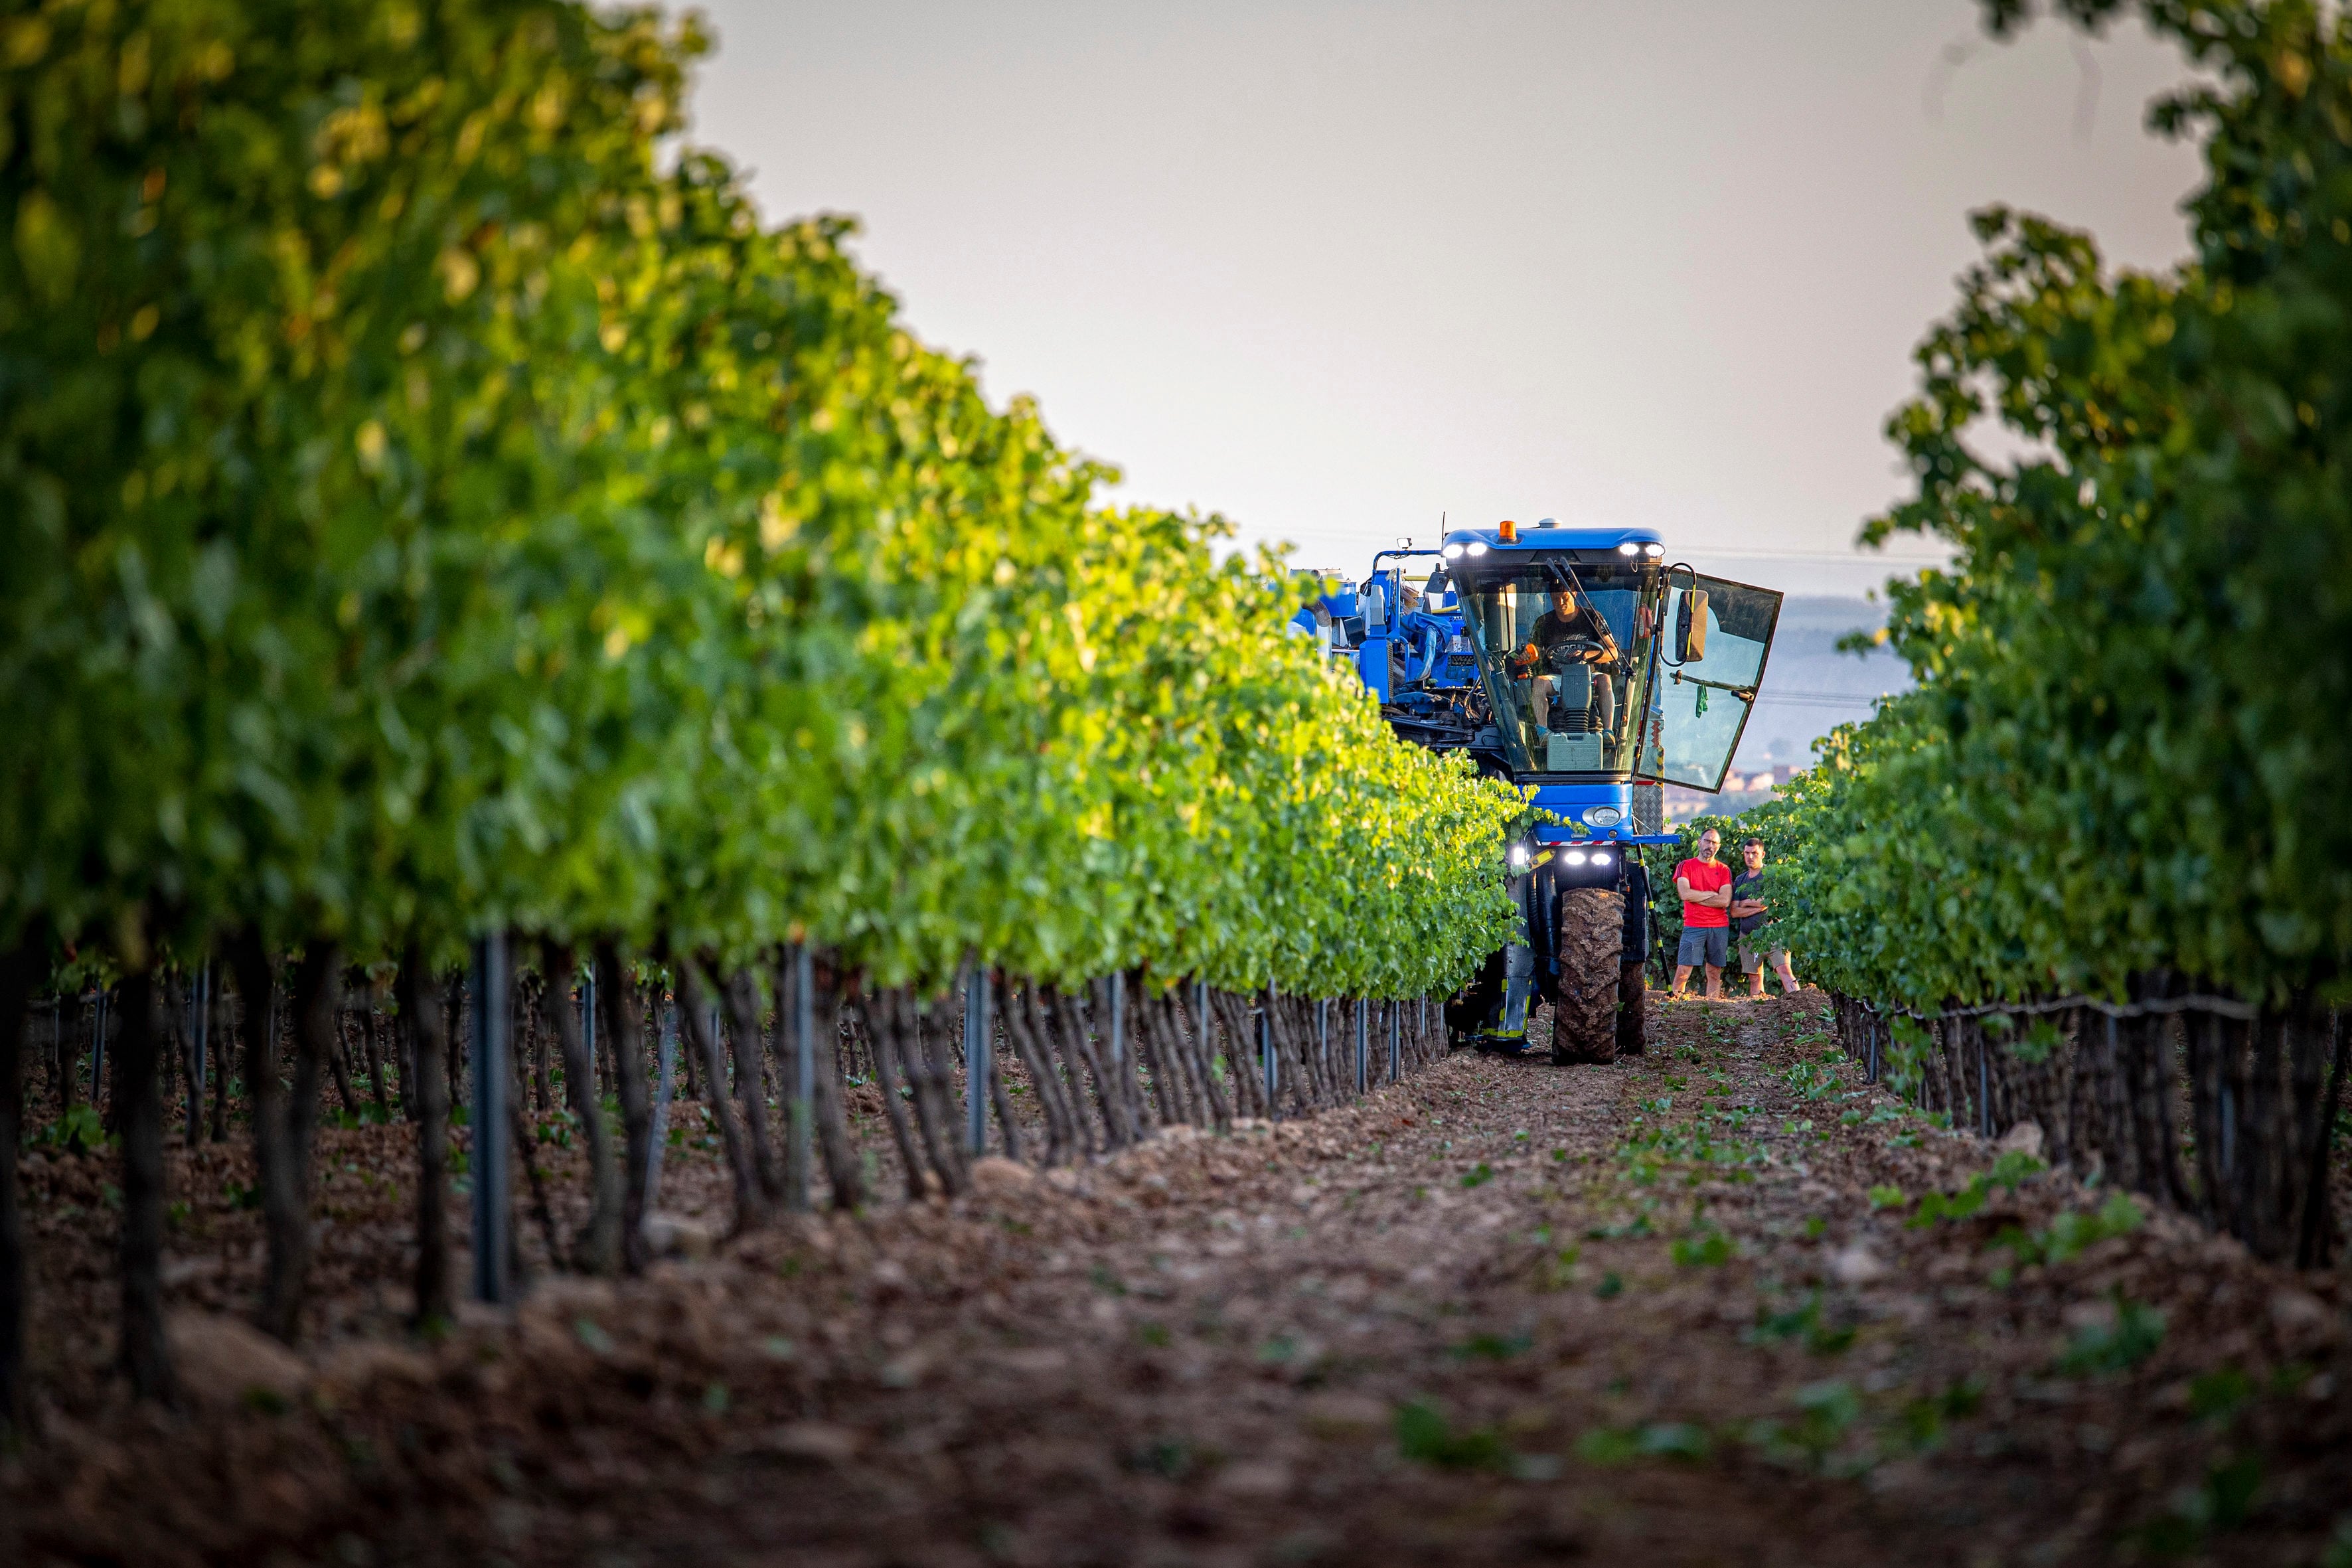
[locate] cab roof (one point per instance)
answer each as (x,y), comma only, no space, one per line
(1547,535)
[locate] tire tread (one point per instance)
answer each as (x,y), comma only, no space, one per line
(1592,939)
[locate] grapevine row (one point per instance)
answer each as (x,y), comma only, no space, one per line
(2114,785)
(438,505)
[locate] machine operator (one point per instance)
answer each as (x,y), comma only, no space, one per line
(1567,622)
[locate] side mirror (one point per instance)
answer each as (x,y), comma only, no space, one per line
(1690,626)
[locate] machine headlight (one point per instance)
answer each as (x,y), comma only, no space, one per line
(1629,548)
(1654,549)
(1475,547)
(1604,816)
(1572,857)
(1518,856)
(1601,856)
(1452,553)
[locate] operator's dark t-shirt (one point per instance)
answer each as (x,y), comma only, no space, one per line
(1748,885)
(1551,627)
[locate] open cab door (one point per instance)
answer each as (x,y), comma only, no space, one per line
(1710,662)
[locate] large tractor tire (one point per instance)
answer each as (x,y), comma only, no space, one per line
(1632,977)
(1591,939)
(1632,998)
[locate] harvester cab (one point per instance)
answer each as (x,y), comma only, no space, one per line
(1588,671)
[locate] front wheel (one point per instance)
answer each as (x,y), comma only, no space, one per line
(1591,942)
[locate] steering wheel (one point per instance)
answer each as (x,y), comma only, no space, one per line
(1568,651)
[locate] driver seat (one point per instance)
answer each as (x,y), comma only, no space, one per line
(1575,742)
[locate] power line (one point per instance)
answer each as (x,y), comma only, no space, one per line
(1726,553)
(1856,557)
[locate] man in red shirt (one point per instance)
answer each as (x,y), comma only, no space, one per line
(1704,884)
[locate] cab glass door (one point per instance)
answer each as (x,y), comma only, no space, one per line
(1711,659)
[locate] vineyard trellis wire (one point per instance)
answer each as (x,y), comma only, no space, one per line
(1104,1069)
(2244,1148)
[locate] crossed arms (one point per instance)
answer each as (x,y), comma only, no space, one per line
(1720,898)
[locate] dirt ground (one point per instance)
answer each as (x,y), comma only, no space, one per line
(1698,1307)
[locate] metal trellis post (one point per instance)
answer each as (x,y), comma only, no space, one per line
(803,1081)
(1984,1084)
(1118,1026)
(588,1020)
(493,1215)
(978,1040)
(668,1054)
(2228,1128)
(200,1035)
(1265,1051)
(1396,1070)
(98,1049)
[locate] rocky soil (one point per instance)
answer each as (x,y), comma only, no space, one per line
(1721,1304)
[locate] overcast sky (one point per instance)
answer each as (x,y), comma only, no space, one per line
(1334,270)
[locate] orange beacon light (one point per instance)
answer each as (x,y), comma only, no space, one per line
(1510,531)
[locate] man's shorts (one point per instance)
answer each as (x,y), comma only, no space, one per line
(1753,948)
(1710,945)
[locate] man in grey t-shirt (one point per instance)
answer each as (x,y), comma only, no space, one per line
(1748,920)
